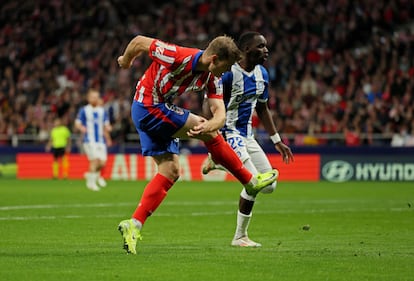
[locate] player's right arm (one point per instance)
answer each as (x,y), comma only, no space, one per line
(136,47)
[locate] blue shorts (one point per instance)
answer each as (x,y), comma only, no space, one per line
(156,125)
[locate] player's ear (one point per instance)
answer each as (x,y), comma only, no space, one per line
(214,58)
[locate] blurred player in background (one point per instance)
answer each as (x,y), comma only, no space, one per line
(93,123)
(175,70)
(245,90)
(60,145)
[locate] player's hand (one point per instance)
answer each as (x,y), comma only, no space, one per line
(109,142)
(199,129)
(123,63)
(285,151)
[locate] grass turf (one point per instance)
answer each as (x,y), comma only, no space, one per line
(59,230)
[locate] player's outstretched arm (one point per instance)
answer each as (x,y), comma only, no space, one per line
(136,47)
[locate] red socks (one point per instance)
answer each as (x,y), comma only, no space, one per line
(223,154)
(154,193)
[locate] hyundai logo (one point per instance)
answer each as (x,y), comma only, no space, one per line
(337,171)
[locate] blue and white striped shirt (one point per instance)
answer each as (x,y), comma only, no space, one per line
(242,90)
(94,119)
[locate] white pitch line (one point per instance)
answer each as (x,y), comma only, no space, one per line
(60,206)
(204,214)
(105,205)
(182,203)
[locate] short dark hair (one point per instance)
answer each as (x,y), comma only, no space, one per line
(246,38)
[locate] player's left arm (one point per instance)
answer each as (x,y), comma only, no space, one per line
(216,119)
(215,104)
(264,114)
(218,114)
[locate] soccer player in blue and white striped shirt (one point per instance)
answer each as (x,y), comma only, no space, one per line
(93,122)
(245,89)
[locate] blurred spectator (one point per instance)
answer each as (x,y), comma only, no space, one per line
(403,137)
(332,63)
(352,136)
(409,141)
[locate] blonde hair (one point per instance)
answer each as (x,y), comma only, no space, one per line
(225,48)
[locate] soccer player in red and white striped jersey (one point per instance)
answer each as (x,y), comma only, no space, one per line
(176,70)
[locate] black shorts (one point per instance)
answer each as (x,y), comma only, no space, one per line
(58,152)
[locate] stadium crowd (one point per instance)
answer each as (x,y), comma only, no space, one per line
(338,67)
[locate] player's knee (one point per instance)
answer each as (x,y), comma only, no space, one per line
(175,177)
(101,164)
(173,173)
(270,188)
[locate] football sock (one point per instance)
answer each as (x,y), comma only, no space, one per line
(154,193)
(101,171)
(94,176)
(65,166)
(223,154)
(137,223)
(246,196)
(55,169)
(242,224)
(91,178)
(87,177)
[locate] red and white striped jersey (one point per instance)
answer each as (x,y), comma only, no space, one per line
(172,73)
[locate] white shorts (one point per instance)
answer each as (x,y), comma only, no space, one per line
(248,148)
(253,158)
(95,151)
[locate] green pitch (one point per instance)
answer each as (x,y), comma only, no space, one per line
(59,230)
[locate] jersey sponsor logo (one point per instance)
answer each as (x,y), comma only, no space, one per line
(244,98)
(338,171)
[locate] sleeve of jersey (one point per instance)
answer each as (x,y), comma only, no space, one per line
(81,118)
(163,53)
(214,88)
(265,95)
(106,118)
(227,80)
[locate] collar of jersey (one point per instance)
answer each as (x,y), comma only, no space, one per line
(244,71)
(195,61)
